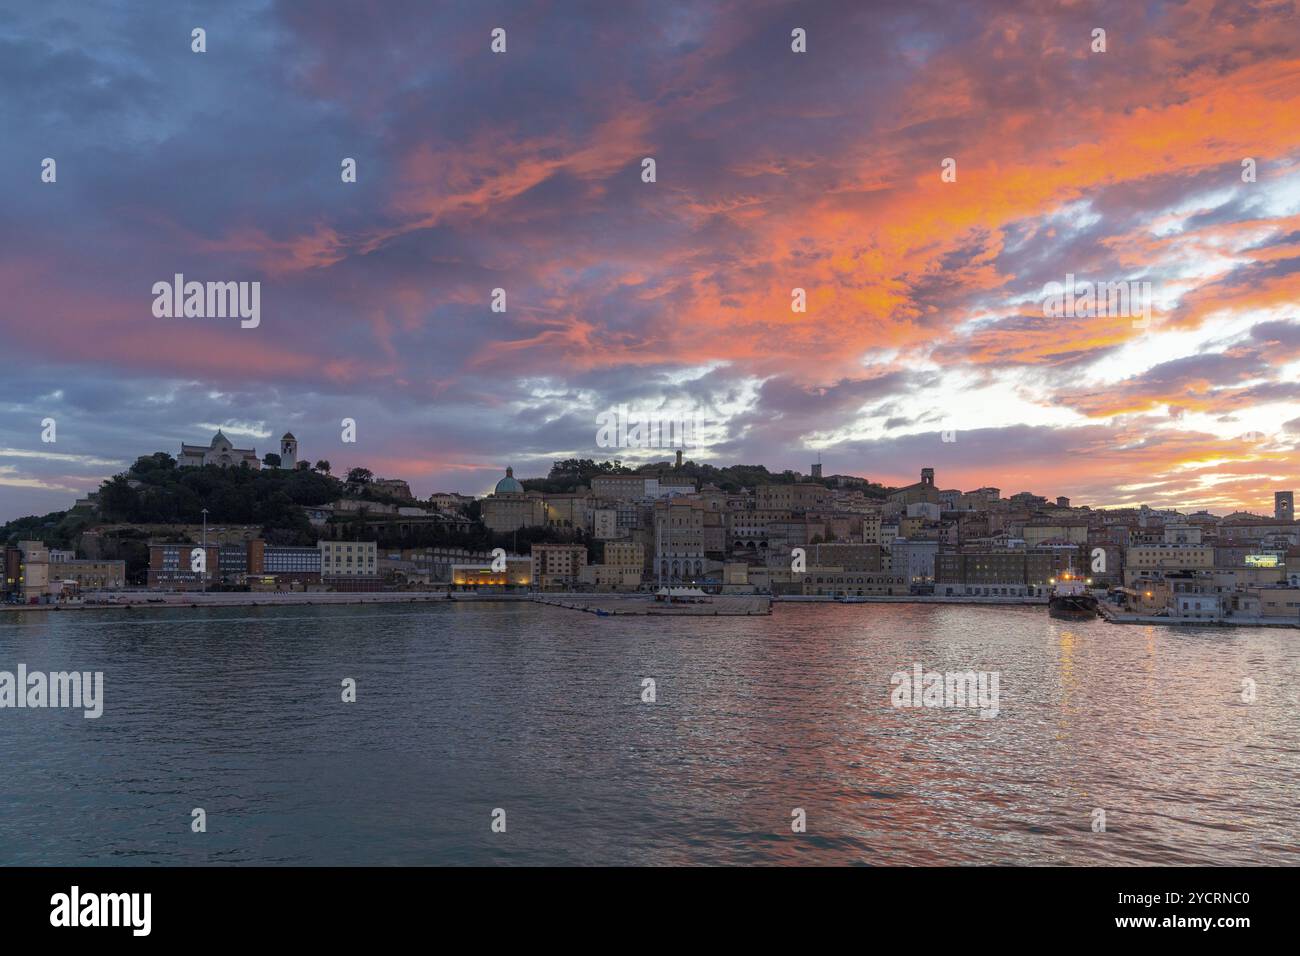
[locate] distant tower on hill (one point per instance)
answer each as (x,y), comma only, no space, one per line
(288,451)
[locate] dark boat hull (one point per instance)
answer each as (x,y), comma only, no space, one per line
(1074,608)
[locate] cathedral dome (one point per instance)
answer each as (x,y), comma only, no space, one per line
(509,485)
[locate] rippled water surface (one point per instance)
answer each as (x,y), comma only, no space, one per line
(465,708)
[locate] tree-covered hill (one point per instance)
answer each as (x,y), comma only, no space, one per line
(569,474)
(155,491)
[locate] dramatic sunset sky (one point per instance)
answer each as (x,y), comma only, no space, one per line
(775,170)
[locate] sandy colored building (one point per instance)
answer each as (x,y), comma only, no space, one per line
(558,565)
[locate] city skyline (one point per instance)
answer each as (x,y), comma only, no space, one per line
(775,170)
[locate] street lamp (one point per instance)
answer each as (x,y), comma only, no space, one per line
(205,550)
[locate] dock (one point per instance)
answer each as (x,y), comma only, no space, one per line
(611,605)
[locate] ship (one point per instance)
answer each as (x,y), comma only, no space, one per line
(1071,600)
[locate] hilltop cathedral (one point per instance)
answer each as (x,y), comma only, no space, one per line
(222,453)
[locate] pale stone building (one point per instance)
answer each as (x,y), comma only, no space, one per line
(218,452)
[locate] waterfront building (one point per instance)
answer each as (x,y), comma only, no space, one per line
(1281,602)
(1012,573)
(627,555)
(518,573)
(609,577)
(1195,606)
(89,575)
(348,560)
(840,582)
(913,559)
(172,566)
(412,567)
(291,565)
(34,573)
(622,567)
(557,565)
(27,571)
(232,562)
(282,566)
(679,540)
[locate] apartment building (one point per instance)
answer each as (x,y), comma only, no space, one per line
(557,565)
(348,559)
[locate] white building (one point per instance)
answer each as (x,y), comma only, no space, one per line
(219,452)
(288,451)
(222,453)
(1197,606)
(348,559)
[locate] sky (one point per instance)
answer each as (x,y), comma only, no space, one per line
(925,340)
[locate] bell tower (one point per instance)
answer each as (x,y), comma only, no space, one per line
(288,451)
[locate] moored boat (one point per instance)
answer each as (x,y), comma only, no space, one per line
(1071,600)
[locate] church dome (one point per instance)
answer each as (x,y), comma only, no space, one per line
(509,485)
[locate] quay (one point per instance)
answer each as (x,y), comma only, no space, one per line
(143,600)
(609,605)
(913,599)
(1115,616)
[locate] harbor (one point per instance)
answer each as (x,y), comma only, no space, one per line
(697,604)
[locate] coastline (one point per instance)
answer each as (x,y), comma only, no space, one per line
(602,604)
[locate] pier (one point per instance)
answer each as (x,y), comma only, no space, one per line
(717,605)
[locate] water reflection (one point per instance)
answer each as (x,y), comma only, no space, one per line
(463,709)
